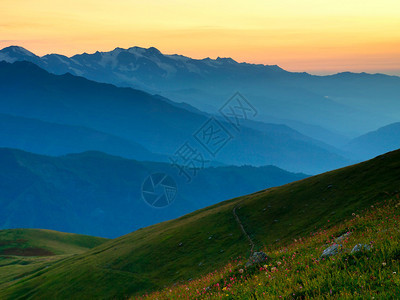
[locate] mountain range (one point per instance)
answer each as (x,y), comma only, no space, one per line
(344,105)
(152,122)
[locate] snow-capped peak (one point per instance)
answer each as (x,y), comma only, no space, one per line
(17,50)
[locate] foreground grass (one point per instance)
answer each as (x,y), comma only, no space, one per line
(296,271)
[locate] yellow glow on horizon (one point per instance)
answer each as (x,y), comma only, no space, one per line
(311,35)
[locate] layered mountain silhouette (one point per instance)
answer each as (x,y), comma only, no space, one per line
(341,105)
(376,142)
(98,194)
(159,126)
(41,137)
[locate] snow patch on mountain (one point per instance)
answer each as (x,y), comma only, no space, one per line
(20,50)
(109,60)
(14,53)
(76,71)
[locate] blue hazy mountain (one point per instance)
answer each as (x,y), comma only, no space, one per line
(57,139)
(138,117)
(376,142)
(343,105)
(98,194)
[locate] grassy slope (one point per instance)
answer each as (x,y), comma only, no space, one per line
(25,251)
(53,242)
(152,257)
(297,271)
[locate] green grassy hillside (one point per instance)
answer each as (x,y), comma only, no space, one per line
(296,271)
(24,242)
(206,240)
(26,251)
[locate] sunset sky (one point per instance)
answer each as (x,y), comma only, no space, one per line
(312,35)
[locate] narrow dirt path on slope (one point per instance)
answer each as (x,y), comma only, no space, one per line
(243,230)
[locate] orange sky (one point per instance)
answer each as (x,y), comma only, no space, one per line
(310,35)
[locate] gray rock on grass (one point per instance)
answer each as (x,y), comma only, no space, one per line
(331,250)
(257,258)
(342,237)
(361,247)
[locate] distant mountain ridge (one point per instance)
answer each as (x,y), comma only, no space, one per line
(346,103)
(41,137)
(141,64)
(376,142)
